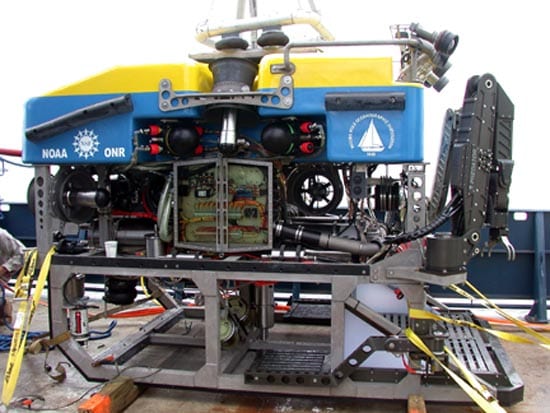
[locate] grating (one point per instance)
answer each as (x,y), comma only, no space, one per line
(314,312)
(307,361)
(469,346)
(466,343)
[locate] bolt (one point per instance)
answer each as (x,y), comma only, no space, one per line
(287,80)
(164,83)
(164,105)
(287,101)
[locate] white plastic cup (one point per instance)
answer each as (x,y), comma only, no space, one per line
(110,248)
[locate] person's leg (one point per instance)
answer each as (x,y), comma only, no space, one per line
(6,312)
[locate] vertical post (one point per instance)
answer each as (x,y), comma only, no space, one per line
(208,375)
(538,310)
(416,198)
(296,289)
(45,224)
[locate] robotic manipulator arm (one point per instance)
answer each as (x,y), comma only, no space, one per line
(478,171)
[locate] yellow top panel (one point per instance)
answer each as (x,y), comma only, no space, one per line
(325,71)
(135,79)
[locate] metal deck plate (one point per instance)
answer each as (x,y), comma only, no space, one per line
(480,352)
(468,344)
(313,311)
(307,367)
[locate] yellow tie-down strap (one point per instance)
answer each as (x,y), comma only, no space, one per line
(543,341)
(472,387)
(475,390)
(422,314)
(23,283)
(23,318)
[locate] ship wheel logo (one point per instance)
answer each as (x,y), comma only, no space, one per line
(85,143)
(371,133)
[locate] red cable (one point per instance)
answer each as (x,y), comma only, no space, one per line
(139,313)
(409,369)
(11,152)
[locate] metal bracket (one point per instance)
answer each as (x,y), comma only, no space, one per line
(281,98)
(404,273)
(366,349)
(371,317)
(282,69)
(416,196)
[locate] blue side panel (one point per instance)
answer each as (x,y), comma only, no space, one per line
(392,136)
(104,141)
(389,136)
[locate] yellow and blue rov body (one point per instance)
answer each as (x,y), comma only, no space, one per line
(367,116)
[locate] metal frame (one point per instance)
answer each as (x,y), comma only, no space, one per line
(223,368)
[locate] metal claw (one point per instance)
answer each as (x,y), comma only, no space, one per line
(489,245)
(510,250)
(505,241)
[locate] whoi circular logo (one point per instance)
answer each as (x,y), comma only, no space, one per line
(371,133)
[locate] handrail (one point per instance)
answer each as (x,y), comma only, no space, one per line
(205,32)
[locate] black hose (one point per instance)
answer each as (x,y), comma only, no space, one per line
(319,239)
(452,208)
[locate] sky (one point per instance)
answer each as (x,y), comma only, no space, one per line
(48,44)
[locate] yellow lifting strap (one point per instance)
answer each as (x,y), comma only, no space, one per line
(23,282)
(490,305)
(472,387)
(23,318)
(427,315)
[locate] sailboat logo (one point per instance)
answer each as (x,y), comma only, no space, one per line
(371,133)
(370,141)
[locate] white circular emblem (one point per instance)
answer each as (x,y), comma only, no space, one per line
(372,133)
(85,143)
